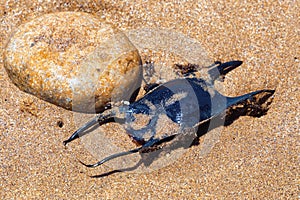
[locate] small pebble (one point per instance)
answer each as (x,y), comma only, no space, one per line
(74,60)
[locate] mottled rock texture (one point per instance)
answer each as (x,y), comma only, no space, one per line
(74,60)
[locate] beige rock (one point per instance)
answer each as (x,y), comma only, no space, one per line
(74,60)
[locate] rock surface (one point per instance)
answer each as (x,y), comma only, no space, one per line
(74,60)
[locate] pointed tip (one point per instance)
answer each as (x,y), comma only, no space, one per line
(238,62)
(269,91)
(88,165)
(82,163)
(234,100)
(273,91)
(234,63)
(221,69)
(228,66)
(74,136)
(65,142)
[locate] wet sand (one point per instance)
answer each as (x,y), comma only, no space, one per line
(251,158)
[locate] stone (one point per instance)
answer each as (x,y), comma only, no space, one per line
(74,60)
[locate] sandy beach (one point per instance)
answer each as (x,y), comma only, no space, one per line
(253,158)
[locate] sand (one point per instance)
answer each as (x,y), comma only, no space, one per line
(252,158)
